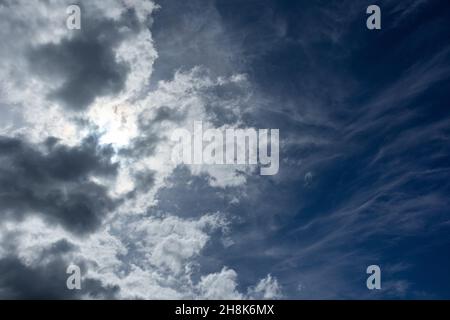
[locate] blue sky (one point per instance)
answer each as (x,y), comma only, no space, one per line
(364,149)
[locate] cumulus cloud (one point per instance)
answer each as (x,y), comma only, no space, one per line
(220,285)
(86,175)
(88,151)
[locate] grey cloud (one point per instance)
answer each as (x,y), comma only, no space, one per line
(45,281)
(141,146)
(166,113)
(45,277)
(85,63)
(55,182)
(143,180)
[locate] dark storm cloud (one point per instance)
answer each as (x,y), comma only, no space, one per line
(85,64)
(45,276)
(54,182)
(46,281)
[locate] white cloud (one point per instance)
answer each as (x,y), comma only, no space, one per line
(267,288)
(146,256)
(220,285)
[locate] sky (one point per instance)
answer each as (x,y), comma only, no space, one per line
(86,177)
